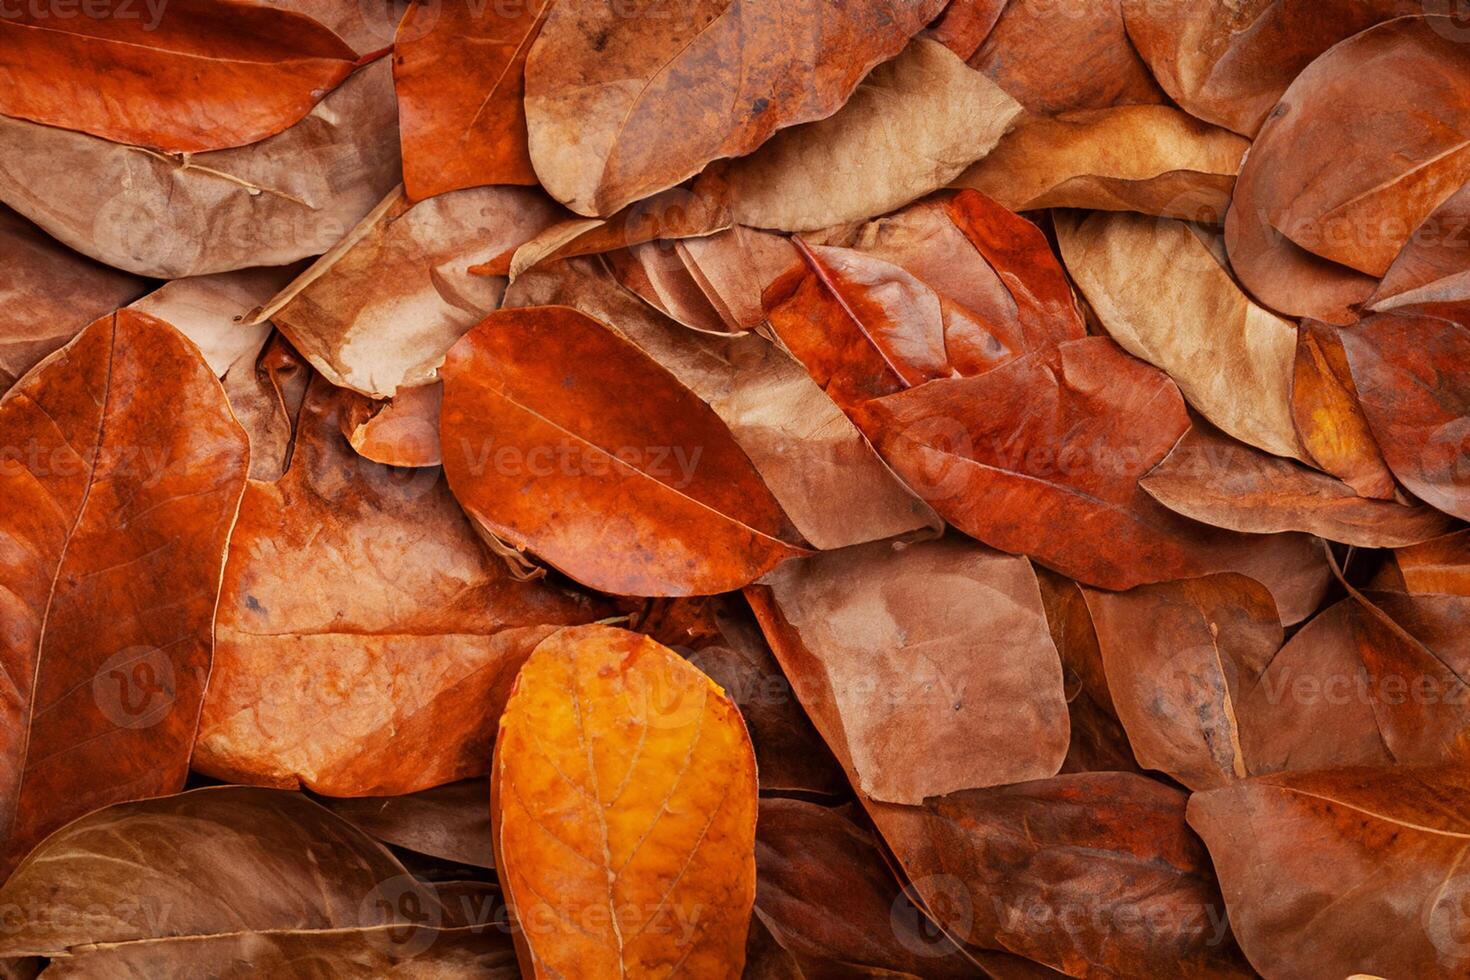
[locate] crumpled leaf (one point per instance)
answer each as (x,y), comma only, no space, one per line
(623,782)
(196,75)
(1377,679)
(1327,416)
(459,73)
(1177,656)
(1385,858)
(836,491)
(928,668)
(623,102)
(1430,275)
(365,639)
(829,899)
(965,24)
(1068,870)
(292,195)
(910,128)
(1214,479)
(1148,158)
(1412,381)
(122,474)
(266,395)
(48,293)
(400,432)
(627,481)
(380,310)
(1161,294)
(1054,58)
(220,873)
(1229,63)
(450,821)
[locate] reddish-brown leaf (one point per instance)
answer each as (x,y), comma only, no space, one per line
(623,803)
(1327,416)
(366,639)
(928,668)
(1216,480)
(48,293)
(1228,63)
(196,75)
(1430,274)
(625,101)
(1348,872)
(1412,375)
(1093,874)
(1177,656)
(1055,57)
(562,438)
(966,23)
(459,71)
(120,480)
(1441,565)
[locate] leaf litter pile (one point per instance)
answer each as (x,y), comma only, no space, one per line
(648,488)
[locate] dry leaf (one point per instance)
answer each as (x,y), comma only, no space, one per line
(459,72)
(1328,418)
(928,668)
(835,489)
(912,126)
(211,311)
(537,462)
(194,75)
(292,195)
(1161,294)
(381,309)
(365,639)
(1351,870)
(1413,380)
(266,396)
(1177,657)
(1148,158)
(623,102)
(1430,274)
(48,293)
(1055,57)
(400,432)
(450,822)
(623,804)
(1441,565)
(224,874)
(965,24)
(1216,480)
(122,471)
(1229,63)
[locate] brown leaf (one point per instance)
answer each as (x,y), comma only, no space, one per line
(1055,58)
(381,309)
(292,195)
(1216,480)
(211,311)
(48,293)
(827,896)
(1413,380)
(1357,687)
(266,396)
(1148,158)
(910,128)
(1429,275)
(450,822)
(209,75)
(1177,657)
(1345,872)
(624,811)
(400,432)
(365,639)
(625,102)
(1441,565)
(216,873)
(1093,874)
(965,24)
(835,489)
(1327,416)
(121,476)
(459,72)
(1229,63)
(927,668)
(1232,359)
(544,465)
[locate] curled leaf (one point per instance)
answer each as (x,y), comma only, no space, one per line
(1328,417)
(623,800)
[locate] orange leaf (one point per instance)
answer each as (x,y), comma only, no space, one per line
(623,805)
